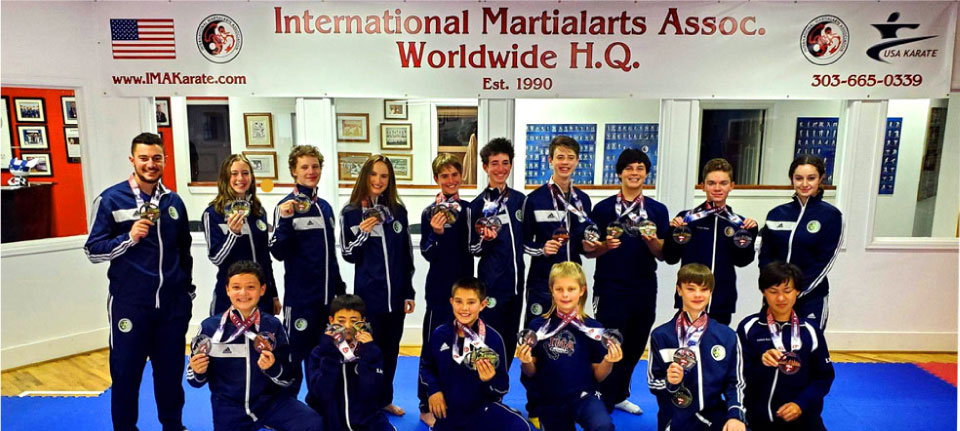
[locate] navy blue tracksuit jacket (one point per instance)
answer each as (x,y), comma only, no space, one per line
(448,255)
(345,393)
(224,248)
(717,382)
(769,389)
(712,245)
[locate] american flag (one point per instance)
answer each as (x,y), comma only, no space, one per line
(143,39)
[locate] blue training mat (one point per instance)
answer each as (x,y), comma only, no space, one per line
(885,397)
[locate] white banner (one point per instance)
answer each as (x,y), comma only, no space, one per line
(755,50)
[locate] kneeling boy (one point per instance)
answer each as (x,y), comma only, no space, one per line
(695,364)
(463,368)
(345,371)
(244,354)
(785,358)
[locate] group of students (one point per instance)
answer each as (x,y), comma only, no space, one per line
(350,343)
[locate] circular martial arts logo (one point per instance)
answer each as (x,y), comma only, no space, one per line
(718,353)
(397,227)
(519,215)
(824,40)
(261,225)
(173,213)
(219,38)
(536,309)
(125,325)
(813,226)
(491,302)
(300,324)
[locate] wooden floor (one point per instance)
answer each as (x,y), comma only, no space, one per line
(90,371)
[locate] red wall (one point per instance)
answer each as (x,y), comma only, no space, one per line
(69,212)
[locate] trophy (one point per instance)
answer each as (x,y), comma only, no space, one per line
(200,344)
(239,206)
(265,341)
(301,203)
(149,211)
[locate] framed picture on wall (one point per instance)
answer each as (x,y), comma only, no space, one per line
(259,130)
(30,110)
(396,136)
(263,163)
(69,105)
(33,138)
(402,165)
(350,164)
(395,109)
(44,168)
(71,136)
(163,111)
(353,127)
(6,134)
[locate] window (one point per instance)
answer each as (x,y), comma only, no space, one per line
(209,134)
(457,134)
(735,135)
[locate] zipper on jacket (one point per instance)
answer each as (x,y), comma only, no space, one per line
(513,248)
(326,258)
(346,397)
(713,256)
(386,267)
(773,389)
(159,241)
(803,207)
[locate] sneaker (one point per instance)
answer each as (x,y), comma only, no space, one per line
(629,407)
(535,422)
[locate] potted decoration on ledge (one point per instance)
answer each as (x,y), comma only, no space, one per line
(21,170)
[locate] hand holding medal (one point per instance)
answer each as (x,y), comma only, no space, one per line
(199,349)
(265,342)
(301,203)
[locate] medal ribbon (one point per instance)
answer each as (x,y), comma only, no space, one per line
(776,335)
(492,207)
(728,215)
(620,208)
(453,202)
(135,188)
(242,325)
(472,340)
(689,333)
(312,195)
(347,349)
(576,208)
(569,319)
(694,215)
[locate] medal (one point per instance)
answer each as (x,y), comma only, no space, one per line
(362,326)
(789,363)
(482,353)
(647,228)
(265,341)
(492,223)
(685,358)
(682,235)
(200,344)
(591,233)
(527,336)
(615,230)
(449,214)
(611,336)
(301,203)
(742,238)
(561,235)
(682,398)
(149,211)
(239,206)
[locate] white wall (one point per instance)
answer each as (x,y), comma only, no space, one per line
(895,212)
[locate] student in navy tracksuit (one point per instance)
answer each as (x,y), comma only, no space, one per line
(246,374)
(239,236)
(714,386)
(776,399)
(304,240)
(625,280)
(714,226)
(381,249)
(465,393)
(501,265)
(444,245)
(150,274)
(806,232)
(568,357)
(345,385)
